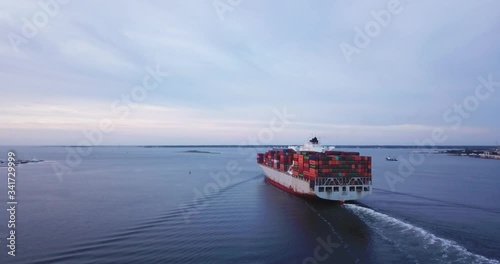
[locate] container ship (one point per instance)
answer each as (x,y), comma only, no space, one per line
(314,171)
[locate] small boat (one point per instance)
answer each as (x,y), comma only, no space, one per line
(389,158)
(35,160)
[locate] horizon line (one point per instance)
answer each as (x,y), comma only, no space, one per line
(266,145)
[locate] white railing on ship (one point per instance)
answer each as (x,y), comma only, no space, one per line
(320,181)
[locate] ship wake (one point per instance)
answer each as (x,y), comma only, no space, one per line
(418,244)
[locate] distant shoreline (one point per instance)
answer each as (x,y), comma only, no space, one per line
(200,152)
(449,147)
(475,153)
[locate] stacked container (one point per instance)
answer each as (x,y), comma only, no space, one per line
(278,159)
(310,165)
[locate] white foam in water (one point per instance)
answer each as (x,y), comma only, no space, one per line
(448,250)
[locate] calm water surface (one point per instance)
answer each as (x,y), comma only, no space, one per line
(150,205)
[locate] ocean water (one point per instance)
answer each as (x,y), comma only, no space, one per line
(163,205)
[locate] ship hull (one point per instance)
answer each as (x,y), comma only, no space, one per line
(287,183)
(317,189)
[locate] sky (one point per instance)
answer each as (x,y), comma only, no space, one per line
(249,72)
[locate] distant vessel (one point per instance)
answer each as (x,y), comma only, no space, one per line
(315,171)
(21,161)
(35,160)
(389,158)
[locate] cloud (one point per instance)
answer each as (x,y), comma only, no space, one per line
(228,75)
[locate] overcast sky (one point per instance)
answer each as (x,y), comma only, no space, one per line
(232,67)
